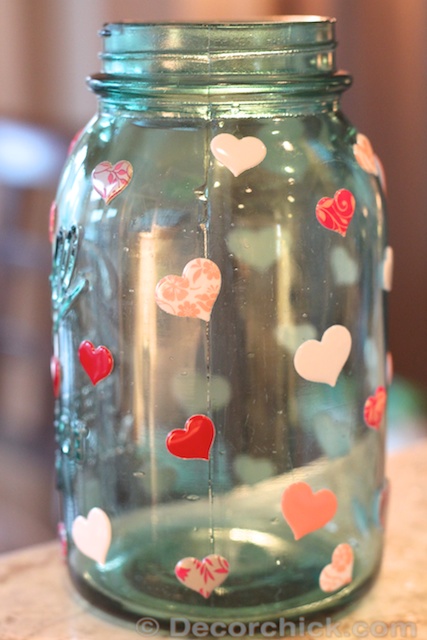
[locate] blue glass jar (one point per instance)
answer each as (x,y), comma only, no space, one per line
(219,346)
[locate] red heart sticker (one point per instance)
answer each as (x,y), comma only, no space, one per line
(55,372)
(336,213)
(374,408)
(98,363)
(194,441)
(305,511)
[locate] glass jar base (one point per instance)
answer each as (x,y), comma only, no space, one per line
(271,578)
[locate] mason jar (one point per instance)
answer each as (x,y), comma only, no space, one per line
(219,267)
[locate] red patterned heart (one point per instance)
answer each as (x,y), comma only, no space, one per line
(98,363)
(374,408)
(336,213)
(194,441)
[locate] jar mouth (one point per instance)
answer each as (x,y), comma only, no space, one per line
(267,20)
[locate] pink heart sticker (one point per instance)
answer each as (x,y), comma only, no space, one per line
(305,511)
(98,363)
(194,441)
(340,571)
(92,535)
(109,180)
(374,408)
(236,154)
(323,361)
(193,294)
(204,575)
(336,213)
(364,154)
(388,269)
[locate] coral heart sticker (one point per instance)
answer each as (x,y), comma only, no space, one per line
(194,441)
(92,535)
(374,408)
(388,269)
(236,154)
(98,363)
(55,372)
(336,213)
(305,511)
(193,294)
(53,213)
(109,180)
(204,575)
(364,154)
(340,571)
(323,361)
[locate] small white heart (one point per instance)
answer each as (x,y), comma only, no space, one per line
(92,535)
(323,361)
(236,154)
(388,269)
(254,247)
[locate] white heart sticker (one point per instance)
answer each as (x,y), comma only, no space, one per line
(92,535)
(323,361)
(236,154)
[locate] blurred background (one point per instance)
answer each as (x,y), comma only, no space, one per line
(47,48)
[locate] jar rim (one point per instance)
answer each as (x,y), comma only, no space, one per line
(267,20)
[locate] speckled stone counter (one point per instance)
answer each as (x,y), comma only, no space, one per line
(37,601)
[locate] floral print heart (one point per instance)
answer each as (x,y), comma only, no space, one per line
(92,535)
(323,361)
(238,155)
(194,441)
(109,180)
(340,571)
(365,155)
(193,294)
(336,213)
(374,408)
(204,575)
(97,362)
(305,511)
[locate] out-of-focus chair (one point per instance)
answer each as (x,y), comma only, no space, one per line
(31,158)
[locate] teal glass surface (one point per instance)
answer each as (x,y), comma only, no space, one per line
(165,93)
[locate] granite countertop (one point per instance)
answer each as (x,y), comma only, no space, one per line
(38,602)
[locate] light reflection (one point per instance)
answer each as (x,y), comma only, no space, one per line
(289,169)
(288,146)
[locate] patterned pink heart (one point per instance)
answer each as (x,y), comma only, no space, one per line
(336,213)
(204,575)
(375,407)
(340,571)
(364,154)
(193,294)
(92,535)
(236,154)
(109,180)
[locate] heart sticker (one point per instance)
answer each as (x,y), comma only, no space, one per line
(193,294)
(291,336)
(204,575)
(109,180)
(254,247)
(98,363)
(53,213)
(364,154)
(336,213)
(374,408)
(236,154)
(92,535)
(389,368)
(55,372)
(344,268)
(340,571)
(388,269)
(323,361)
(305,511)
(194,441)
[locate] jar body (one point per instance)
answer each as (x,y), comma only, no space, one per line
(229,361)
